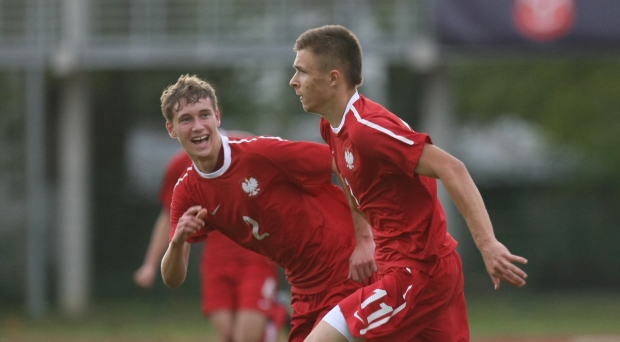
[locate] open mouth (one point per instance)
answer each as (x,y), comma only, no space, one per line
(201,139)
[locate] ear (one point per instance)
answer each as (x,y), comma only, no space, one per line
(334,77)
(217,118)
(170,129)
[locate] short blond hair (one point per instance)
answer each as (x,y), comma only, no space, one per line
(187,90)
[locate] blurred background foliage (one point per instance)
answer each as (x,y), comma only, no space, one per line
(575,101)
(568,228)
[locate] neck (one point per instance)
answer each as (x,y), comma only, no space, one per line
(214,160)
(336,112)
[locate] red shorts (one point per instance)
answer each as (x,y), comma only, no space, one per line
(308,310)
(236,286)
(411,305)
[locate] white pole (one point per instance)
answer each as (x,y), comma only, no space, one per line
(74,228)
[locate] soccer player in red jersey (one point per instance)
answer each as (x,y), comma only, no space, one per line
(390,172)
(238,286)
(270,195)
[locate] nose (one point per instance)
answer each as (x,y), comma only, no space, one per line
(196,125)
(293,81)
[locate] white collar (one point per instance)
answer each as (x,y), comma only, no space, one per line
(352,100)
(225,166)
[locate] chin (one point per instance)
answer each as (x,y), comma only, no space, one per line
(307,109)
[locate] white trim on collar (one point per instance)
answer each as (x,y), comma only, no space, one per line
(221,170)
(353,99)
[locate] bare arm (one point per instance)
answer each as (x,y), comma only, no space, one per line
(174,263)
(437,163)
(145,275)
(362,261)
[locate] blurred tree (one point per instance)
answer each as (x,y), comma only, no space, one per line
(577,102)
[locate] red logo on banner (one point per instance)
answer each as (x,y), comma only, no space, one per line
(544,20)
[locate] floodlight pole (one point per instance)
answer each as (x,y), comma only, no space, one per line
(75,217)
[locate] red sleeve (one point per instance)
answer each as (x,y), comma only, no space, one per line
(176,167)
(307,163)
(393,142)
(181,201)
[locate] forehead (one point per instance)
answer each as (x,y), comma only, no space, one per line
(202,105)
(306,59)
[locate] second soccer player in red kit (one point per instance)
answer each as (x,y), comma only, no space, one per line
(238,286)
(270,195)
(390,172)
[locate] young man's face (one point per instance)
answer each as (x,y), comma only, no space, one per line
(312,83)
(195,126)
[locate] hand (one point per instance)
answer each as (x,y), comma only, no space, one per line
(362,261)
(145,276)
(191,222)
(499,263)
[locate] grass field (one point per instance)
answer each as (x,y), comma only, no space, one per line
(548,318)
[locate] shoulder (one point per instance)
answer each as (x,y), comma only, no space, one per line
(270,145)
(254,141)
(374,123)
(186,179)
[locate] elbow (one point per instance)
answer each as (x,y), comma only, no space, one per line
(453,170)
(172,282)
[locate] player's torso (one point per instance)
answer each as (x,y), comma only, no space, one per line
(256,205)
(407,218)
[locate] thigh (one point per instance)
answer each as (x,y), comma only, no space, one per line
(452,323)
(249,326)
(222,322)
(404,302)
(308,310)
(258,286)
(218,290)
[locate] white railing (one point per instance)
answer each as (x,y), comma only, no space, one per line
(126,33)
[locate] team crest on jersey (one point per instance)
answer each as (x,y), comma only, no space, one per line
(348,158)
(250,186)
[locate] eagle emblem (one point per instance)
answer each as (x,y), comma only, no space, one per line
(250,186)
(348,157)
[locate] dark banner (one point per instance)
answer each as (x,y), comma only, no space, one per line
(529,24)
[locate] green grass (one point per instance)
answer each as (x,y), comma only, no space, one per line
(113,321)
(545,315)
(181,320)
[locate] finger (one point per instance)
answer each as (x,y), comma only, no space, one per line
(513,278)
(517,271)
(516,258)
(495,283)
(190,223)
(354,275)
(368,271)
(202,213)
(193,210)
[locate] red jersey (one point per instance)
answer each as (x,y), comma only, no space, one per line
(220,247)
(276,197)
(376,153)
